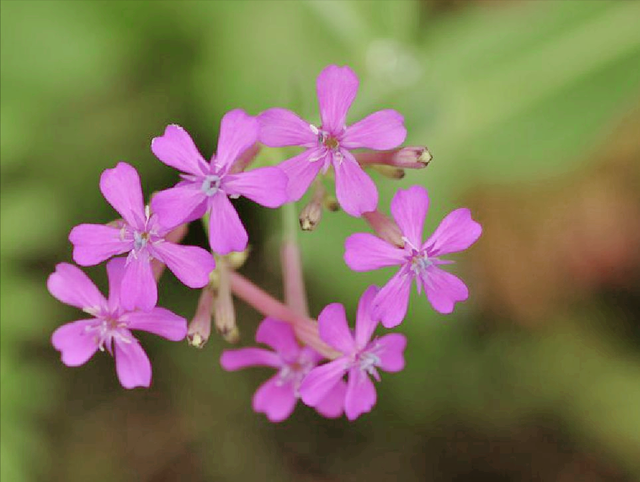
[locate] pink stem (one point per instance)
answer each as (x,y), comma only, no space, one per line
(295,295)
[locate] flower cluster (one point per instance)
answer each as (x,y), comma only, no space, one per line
(321,362)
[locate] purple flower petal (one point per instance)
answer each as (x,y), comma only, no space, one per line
(71,286)
(138,289)
(94,243)
(337,87)
(238,132)
(391,303)
(74,342)
(190,264)
(232,360)
(443,289)
(279,336)
(121,187)
(381,130)
(176,149)
(226,232)
(180,204)
(365,322)
(158,321)
(391,353)
(276,401)
(281,127)
(321,380)
(266,186)
(456,232)
(334,330)
(332,405)
(132,364)
(409,209)
(361,394)
(355,190)
(366,252)
(115,272)
(301,172)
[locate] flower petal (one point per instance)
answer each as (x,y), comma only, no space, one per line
(409,209)
(334,329)
(337,87)
(115,273)
(176,149)
(391,352)
(94,243)
(232,360)
(180,204)
(74,342)
(121,187)
(266,186)
(301,172)
(226,231)
(456,232)
(332,405)
(138,289)
(355,190)
(361,394)
(238,132)
(132,364)
(366,323)
(366,252)
(443,289)
(381,130)
(190,264)
(279,336)
(391,303)
(321,380)
(71,286)
(281,127)
(158,321)
(276,401)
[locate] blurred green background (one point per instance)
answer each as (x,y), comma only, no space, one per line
(531,109)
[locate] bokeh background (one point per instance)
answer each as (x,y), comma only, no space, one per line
(531,109)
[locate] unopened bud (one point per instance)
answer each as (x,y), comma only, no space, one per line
(384,227)
(224,311)
(389,171)
(311,214)
(331,203)
(200,327)
(411,157)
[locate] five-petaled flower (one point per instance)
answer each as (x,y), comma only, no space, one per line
(142,235)
(109,324)
(206,187)
(277,397)
(418,260)
(361,357)
(330,143)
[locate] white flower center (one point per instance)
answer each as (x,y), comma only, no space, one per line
(211,184)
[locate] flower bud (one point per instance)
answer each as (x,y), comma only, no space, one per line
(224,313)
(389,171)
(200,327)
(411,157)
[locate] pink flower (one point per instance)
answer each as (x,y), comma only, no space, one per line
(206,187)
(419,261)
(277,397)
(330,144)
(142,236)
(109,325)
(361,357)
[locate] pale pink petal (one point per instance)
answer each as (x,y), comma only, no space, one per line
(365,321)
(279,336)
(361,394)
(94,243)
(391,352)
(238,132)
(366,252)
(443,289)
(337,87)
(115,272)
(391,303)
(409,209)
(176,149)
(158,321)
(301,171)
(381,130)
(190,264)
(121,188)
(332,405)
(456,232)
(232,360)
(132,364)
(180,204)
(276,401)
(281,127)
(71,286)
(266,186)
(138,289)
(226,232)
(355,190)
(75,343)
(321,380)
(334,329)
